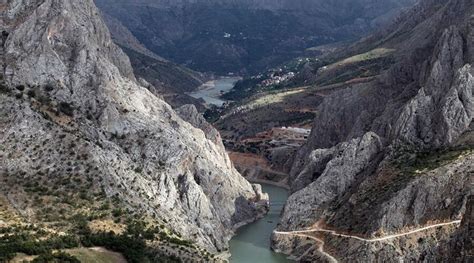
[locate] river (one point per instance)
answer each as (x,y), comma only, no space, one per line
(252,242)
(211,91)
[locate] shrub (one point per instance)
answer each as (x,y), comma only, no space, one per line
(20,87)
(66,108)
(31,93)
(58,257)
(5,34)
(26,243)
(132,243)
(4,88)
(48,87)
(117,212)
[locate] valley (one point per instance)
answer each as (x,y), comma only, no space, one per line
(252,242)
(236,131)
(246,36)
(212,90)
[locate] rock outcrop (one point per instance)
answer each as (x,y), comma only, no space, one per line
(190,114)
(443,108)
(334,176)
(393,154)
(73,115)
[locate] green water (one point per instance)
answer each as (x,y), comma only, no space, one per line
(251,244)
(211,91)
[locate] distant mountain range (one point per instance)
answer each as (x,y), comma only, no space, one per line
(249,35)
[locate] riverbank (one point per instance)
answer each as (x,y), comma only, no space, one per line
(212,90)
(252,242)
(283,185)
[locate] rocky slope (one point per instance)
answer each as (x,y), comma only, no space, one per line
(395,153)
(243,36)
(168,79)
(76,125)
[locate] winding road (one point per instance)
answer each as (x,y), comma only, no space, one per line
(305,233)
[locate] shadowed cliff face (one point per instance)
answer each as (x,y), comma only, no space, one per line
(245,36)
(395,152)
(71,108)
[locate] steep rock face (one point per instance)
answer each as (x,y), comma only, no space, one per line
(82,93)
(443,108)
(397,199)
(419,91)
(460,247)
(334,177)
(421,111)
(190,114)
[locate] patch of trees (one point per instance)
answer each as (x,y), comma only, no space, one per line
(131,243)
(27,243)
(58,257)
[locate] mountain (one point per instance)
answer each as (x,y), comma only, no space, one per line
(169,80)
(386,173)
(91,157)
(245,36)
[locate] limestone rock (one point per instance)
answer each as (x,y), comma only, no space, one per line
(84,99)
(443,109)
(333,178)
(412,168)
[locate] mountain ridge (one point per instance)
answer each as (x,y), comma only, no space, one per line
(79,126)
(394,151)
(246,36)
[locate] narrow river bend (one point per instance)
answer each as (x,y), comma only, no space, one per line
(252,242)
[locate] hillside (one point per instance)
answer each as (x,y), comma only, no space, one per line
(90,157)
(167,79)
(386,173)
(246,36)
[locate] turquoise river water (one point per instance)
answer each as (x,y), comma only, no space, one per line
(251,244)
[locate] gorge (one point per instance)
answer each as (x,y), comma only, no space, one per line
(126,135)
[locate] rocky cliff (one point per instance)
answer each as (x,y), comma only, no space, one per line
(76,125)
(169,80)
(390,159)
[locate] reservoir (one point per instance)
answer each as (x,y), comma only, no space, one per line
(211,91)
(252,242)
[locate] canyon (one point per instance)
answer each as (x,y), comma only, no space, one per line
(83,138)
(113,144)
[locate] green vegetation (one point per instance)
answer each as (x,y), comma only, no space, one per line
(132,243)
(96,255)
(248,87)
(372,54)
(31,241)
(243,89)
(406,166)
(271,98)
(423,161)
(66,108)
(56,257)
